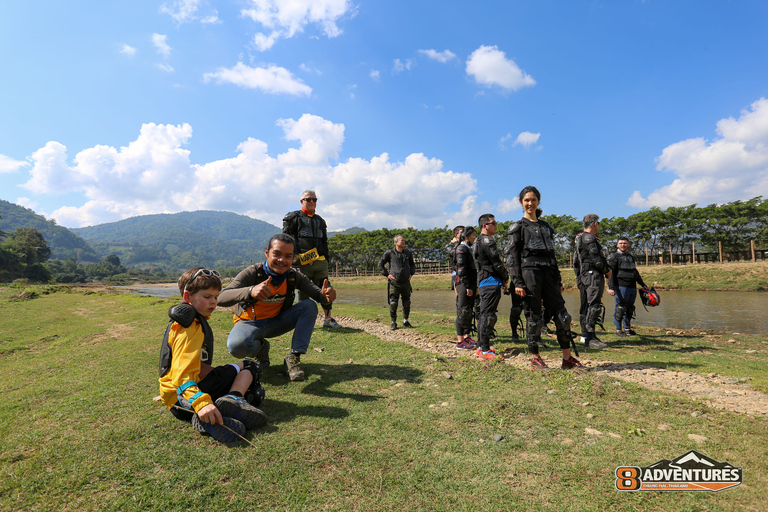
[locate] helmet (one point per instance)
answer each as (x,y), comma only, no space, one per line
(650,297)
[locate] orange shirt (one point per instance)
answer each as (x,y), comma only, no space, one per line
(268,308)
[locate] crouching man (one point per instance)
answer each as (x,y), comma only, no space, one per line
(263,296)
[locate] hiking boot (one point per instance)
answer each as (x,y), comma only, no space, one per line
(467,344)
(488,355)
(570,363)
(631,332)
(262,356)
(227,433)
(292,369)
(407,324)
(621,334)
(238,408)
(515,337)
(330,323)
(537,363)
(593,341)
(393,327)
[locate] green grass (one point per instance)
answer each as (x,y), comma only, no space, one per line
(376,425)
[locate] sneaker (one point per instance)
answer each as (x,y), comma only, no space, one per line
(407,324)
(537,363)
(467,344)
(570,363)
(488,355)
(227,433)
(621,334)
(262,356)
(238,408)
(596,343)
(393,327)
(330,323)
(292,369)
(631,332)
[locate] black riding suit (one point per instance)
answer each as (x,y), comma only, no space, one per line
(466,279)
(401,267)
(623,282)
(533,264)
(590,266)
(491,275)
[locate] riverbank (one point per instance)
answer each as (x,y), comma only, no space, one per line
(733,277)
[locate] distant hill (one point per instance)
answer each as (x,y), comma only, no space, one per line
(62,241)
(348,231)
(182,240)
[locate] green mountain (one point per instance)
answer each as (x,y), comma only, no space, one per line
(62,242)
(182,240)
(349,231)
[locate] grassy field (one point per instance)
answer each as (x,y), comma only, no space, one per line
(707,277)
(376,426)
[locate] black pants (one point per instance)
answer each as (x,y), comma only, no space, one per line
(591,285)
(465,306)
(399,291)
(489,297)
(542,285)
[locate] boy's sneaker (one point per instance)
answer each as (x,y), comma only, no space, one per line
(537,363)
(488,355)
(292,369)
(393,327)
(228,433)
(407,324)
(570,363)
(330,323)
(467,344)
(238,408)
(262,356)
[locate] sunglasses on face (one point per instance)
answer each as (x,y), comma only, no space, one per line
(491,223)
(203,271)
(310,199)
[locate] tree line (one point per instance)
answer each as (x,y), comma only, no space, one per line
(732,224)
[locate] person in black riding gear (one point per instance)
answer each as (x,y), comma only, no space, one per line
(401,270)
(623,286)
(492,277)
(537,278)
(310,236)
(466,289)
(451,249)
(591,269)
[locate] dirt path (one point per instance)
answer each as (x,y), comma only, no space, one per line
(726,393)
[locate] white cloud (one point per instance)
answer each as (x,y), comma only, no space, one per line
(490,66)
(8,164)
(164,67)
(128,51)
(272,79)
(153,174)
(730,167)
(527,139)
(443,56)
(285,18)
(508,205)
(375,74)
(308,69)
(26,203)
(398,66)
(185,11)
(161,45)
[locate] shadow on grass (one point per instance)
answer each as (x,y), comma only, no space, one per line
(279,411)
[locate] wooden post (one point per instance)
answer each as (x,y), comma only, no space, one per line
(693,251)
(671,260)
(752,246)
(720,249)
(646,256)
(661,256)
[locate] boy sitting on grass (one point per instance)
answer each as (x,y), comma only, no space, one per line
(192,389)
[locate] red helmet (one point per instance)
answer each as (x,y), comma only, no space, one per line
(650,297)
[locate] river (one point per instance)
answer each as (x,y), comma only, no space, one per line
(742,312)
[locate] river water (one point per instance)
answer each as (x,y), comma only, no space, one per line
(743,312)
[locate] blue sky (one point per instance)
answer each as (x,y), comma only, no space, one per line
(397,113)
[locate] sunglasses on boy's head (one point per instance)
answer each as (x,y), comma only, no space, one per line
(310,199)
(203,271)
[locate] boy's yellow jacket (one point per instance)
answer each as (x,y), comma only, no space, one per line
(186,345)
